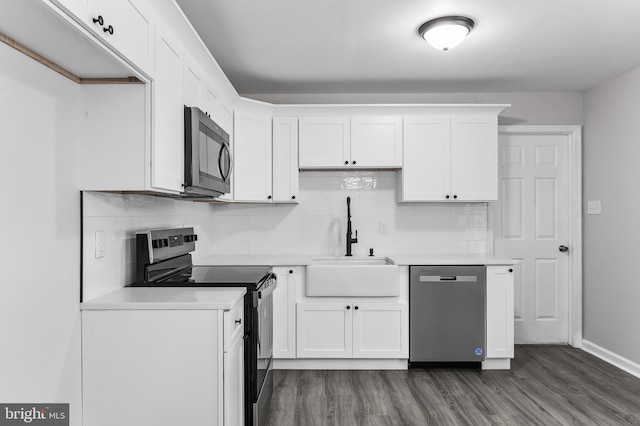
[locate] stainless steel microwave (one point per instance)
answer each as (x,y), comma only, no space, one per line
(207,155)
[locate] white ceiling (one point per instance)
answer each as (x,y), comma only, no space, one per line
(372,46)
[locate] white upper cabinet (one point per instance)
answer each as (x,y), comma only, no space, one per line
(192,85)
(450,158)
(474,158)
(427,158)
(210,104)
(252,157)
(167,148)
(285,159)
(350,142)
(376,142)
(265,158)
(324,142)
(125,25)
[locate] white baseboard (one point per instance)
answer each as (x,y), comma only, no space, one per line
(611,357)
(339,364)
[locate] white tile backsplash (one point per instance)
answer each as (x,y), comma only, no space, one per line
(317,225)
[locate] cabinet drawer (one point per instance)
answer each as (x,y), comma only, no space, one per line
(233,325)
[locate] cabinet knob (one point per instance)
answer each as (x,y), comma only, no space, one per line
(510,269)
(455,196)
(269,197)
(346,162)
(291,271)
(98,20)
(356,308)
(446,196)
(353,162)
(293,197)
(109,30)
(348,307)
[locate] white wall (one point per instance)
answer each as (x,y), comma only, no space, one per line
(39,288)
(526,108)
(119,217)
(315,226)
(611,250)
(318,224)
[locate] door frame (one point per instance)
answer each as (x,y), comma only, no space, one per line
(574,152)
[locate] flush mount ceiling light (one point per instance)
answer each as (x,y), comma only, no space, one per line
(446,32)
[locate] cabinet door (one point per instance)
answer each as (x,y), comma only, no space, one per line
(252,157)
(210,103)
(234,384)
(192,86)
(167,147)
(426,159)
(284,311)
(474,158)
(500,318)
(285,159)
(324,330)
(129,30)
(380,330)
(324,142)
(376,142)
(84,11)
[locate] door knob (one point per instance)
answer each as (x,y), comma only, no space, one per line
(563,248)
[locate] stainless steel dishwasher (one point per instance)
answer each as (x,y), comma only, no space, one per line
(447,314)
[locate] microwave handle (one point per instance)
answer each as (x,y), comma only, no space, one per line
(225,147)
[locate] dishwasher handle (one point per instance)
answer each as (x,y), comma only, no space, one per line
(439,278)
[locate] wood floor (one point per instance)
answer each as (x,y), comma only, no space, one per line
(547,385)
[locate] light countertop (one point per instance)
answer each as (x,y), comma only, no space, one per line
(167,298)
(307,259)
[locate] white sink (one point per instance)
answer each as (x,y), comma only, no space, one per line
(352,276)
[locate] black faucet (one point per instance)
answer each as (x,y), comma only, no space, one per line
(350,240)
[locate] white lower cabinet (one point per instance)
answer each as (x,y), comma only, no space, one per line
(352,329)
(500,320)
(163,367)
(284,311)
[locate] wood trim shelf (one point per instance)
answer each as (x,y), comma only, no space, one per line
(62,71)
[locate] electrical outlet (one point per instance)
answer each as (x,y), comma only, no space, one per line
(101,249)
(594,207)
(384,227)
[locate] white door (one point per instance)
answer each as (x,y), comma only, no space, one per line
(474,158)
(324,330)
(380,330)
(324,142)
(532,224)
(252,157)
(427,159)
(167,147)
(376,141)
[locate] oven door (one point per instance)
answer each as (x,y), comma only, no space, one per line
(264,350)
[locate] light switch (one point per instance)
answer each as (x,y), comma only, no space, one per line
(100,245)
(384,227)
(594,207)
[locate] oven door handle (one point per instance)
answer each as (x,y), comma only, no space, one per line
(268,290)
